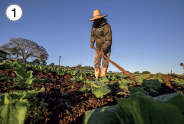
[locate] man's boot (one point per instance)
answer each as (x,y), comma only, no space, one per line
(103,72)
(97,72)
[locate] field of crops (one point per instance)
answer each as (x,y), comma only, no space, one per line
(39,94)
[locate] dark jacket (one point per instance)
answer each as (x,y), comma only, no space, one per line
(102,35)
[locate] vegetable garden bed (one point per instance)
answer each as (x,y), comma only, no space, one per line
(36,94)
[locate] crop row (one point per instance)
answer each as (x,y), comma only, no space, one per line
(122,112)
(178,81)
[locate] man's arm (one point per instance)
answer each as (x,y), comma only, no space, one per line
(92,36)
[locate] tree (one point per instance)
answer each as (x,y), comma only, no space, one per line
(79,65)
(52,64)
(146,72)
(25,48)
(137,72)
(15,51)
(36,61)
(44,63)
(43,56)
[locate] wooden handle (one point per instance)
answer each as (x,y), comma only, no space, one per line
(120,68)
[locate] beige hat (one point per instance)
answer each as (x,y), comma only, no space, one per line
(96,15)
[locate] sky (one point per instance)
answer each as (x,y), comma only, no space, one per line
(147,35)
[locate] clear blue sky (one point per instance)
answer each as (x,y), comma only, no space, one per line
(147,35)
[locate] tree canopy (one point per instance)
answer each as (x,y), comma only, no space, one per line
(25,48)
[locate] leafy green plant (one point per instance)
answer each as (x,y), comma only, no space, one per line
(97,87)
(121,85)
(42,69)
(137,89)
(73,72)
(103,79)
(160,78)
(151,86)
(140,109)
(16,64)
(5,78)
(54,69)
(13,109)
(7,64)
(78,78)
(179,81)
(140,78)
(38,80)
(35,114)
(24,79)
(73,79)
(113,77)
(28,66)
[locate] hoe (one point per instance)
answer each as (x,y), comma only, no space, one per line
(120,68)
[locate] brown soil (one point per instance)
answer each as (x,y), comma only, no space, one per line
(150,76)
(78,102)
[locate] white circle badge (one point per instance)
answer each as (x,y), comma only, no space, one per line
(14,12)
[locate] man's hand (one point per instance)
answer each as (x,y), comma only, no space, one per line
(101,53)
(92,46)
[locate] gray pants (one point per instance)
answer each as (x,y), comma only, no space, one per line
(105,62)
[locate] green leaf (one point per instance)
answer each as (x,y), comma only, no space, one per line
(85,89)
(72,79)
(124,86)
(104,79)
(104,115)
(140,109)
(17,94)
(144,109)
(21,72)
(39,81)
(7,64)
(13,113)
(6,78)
(16,64)
(151,86)
(14,109)
(98,88)
(100,91)
(120,93)
(137,89)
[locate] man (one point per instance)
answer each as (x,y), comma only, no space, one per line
(102,34)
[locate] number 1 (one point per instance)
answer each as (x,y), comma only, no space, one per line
(14,11)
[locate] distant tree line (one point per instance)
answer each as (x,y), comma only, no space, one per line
(137,72)
(79,66)
(144,72)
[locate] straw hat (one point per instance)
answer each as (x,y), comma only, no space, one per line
(96,15)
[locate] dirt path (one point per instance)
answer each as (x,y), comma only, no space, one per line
(150,76)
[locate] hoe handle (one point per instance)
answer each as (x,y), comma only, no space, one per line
(120,68)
